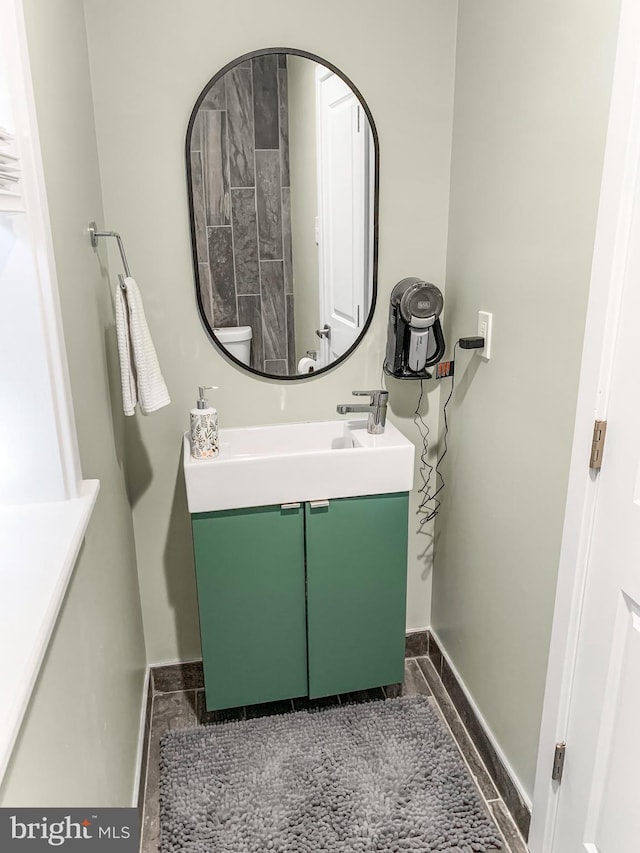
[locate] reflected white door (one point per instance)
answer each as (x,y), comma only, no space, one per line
(599,800)
(344,145)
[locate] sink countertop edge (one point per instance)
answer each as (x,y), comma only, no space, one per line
(290,477)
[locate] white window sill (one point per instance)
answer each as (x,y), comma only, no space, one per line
(39,545)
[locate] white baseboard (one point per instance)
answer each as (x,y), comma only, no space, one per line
(141,733)
(526,798)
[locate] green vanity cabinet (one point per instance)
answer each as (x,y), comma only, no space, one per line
(305,599)
(356,593)
(251,597)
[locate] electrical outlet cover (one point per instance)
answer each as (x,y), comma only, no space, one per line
(485,323)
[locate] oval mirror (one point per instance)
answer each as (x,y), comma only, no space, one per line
(282,174)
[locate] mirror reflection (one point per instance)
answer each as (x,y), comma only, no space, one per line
(281,180)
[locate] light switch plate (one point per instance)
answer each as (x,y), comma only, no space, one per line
(485,323)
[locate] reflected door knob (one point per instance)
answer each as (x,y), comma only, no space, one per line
(324,332)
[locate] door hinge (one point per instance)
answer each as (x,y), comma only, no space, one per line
(597,445)
(558,761)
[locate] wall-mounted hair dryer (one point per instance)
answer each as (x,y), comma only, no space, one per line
(414,339)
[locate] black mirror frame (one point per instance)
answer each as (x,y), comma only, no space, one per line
(374,289)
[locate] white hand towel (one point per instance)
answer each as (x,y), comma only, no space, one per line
(142,380)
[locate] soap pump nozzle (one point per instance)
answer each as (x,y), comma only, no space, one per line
(203,403)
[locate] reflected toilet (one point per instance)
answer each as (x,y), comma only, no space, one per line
(236,340)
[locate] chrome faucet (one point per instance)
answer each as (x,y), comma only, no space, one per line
(377,409)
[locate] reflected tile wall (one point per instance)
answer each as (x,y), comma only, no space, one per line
(215,99)
(223,291)
(215,167)
(269,205)
(240,117)
(250,314)
(242,219)
(276,366)
(283,106)
(291,352)
(245,240)
(274,319)
(265,101)
(287,241)
(197,187)
(205,292)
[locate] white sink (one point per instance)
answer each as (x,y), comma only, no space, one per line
(286,463)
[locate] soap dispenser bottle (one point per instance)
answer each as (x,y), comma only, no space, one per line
(204,427)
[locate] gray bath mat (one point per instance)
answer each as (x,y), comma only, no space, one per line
(369,778)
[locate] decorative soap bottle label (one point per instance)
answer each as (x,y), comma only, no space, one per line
(204,435)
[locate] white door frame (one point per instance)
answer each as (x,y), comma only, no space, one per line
(620,185)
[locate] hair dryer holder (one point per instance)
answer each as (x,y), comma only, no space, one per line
(417,300)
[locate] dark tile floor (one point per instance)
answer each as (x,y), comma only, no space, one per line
(180,704)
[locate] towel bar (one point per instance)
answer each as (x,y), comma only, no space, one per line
(94,234)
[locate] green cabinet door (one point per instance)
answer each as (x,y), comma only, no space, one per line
(356,592)
(251,596)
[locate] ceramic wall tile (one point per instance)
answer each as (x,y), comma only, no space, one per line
(215,99)
(240,119)
(283,111)
(245,240)
(265,100)
(196,133)
(200,224)
(204,283)
(239,160)
(223,291)
(274,322)
(269,205)
(216,167)
(275,366)
(287,246)
(291,336)
(250,314)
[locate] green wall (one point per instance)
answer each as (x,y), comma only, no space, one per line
(149,61)
(78,743)
(533,83)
